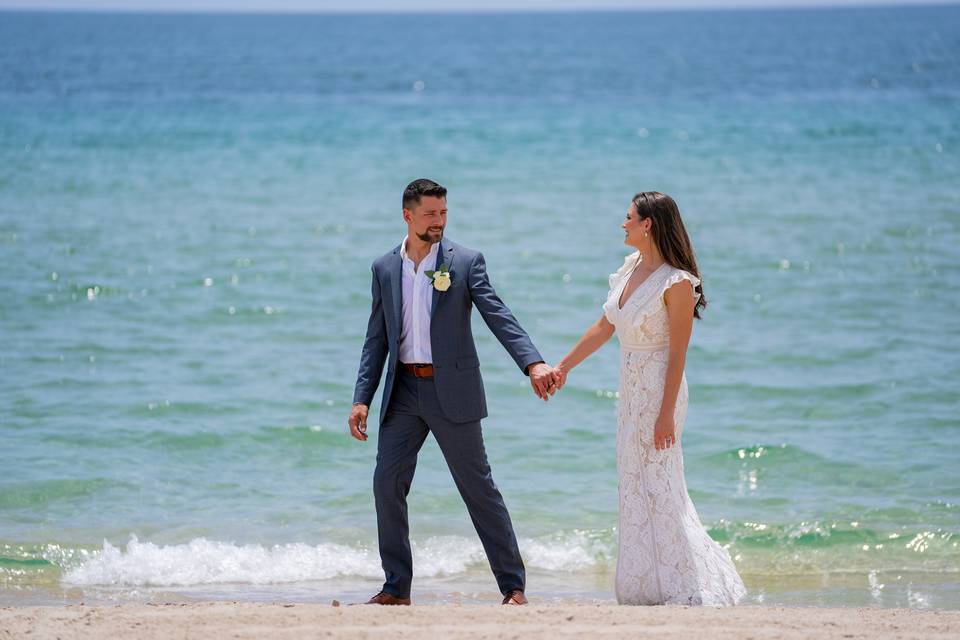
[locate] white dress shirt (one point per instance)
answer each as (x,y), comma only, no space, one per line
(417,299)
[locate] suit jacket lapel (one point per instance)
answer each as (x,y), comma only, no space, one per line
(444,255)
(397,289)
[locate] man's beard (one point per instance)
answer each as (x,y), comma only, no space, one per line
(431,236)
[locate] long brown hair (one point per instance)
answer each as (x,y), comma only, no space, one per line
(670,235)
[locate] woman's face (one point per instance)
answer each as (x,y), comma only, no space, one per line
(634,228)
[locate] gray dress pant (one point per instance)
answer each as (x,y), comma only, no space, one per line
(414,412)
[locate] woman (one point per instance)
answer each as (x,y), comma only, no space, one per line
(665,554)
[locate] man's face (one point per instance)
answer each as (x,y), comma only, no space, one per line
(428,219)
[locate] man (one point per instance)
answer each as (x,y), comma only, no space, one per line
(423,292)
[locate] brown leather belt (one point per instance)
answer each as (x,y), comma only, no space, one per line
(417,369)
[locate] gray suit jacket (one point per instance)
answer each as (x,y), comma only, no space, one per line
(455,362)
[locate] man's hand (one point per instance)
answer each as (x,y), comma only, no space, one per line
(544,380)
(358,421)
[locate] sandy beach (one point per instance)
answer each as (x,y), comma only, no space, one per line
(276,620)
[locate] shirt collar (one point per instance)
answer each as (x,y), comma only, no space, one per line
(403,248)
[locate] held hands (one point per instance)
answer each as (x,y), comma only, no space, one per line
(546,380)
(664,432)
(358,421)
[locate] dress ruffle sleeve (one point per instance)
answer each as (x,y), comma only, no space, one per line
(678,275)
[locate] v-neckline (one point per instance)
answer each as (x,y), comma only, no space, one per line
(637,288)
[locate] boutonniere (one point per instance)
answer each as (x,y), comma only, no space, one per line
(441,277)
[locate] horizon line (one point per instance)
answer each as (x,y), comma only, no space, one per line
(747,6)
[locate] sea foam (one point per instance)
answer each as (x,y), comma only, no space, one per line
(203,561)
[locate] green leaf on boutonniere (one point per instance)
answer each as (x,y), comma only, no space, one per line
(443,269)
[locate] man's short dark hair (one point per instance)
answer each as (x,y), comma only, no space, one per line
(419,188)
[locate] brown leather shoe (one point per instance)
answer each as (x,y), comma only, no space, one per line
(386,598)
(514,597)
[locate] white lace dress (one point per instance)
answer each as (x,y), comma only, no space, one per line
(665,555)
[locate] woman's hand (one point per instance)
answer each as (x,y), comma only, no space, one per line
(560,376)
(664,432)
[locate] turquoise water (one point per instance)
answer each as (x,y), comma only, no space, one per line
(189,206)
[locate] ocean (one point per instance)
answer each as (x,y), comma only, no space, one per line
(190,203)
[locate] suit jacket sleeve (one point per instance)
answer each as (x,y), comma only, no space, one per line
(375,348)
(499,318)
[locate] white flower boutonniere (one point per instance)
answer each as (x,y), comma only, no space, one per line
(441,278)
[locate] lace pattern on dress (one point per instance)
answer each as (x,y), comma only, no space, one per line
(665,554)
